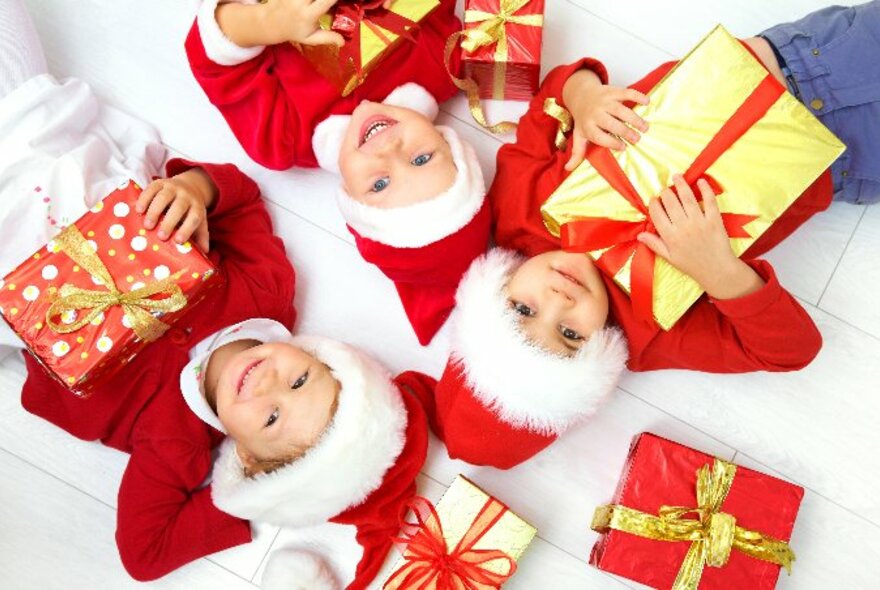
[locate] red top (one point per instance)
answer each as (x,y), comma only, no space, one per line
(274,101)
(165,516)
(767,330)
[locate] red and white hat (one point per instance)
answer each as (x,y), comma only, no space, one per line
(426,247)
(360,472)
(502,399)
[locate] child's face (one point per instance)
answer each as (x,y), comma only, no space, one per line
(274,400)
(560,298)
(393,157)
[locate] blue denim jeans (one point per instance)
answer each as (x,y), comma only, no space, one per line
(832,60)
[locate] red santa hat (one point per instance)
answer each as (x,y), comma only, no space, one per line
(502,398)
(426,247)
(360,472)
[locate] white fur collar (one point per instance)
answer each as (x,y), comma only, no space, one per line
(347,464)
(544,393)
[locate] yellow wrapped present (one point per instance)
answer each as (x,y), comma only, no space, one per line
(718,114)
(469,540)
(371,32)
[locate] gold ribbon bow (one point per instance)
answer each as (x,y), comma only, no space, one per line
(566,121)
(712,535)
(137,305)
(492,29)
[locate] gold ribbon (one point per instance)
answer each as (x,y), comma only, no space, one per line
(552,108)
(713,534)
(136,304)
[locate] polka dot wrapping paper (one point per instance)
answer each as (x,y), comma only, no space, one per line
(135,259)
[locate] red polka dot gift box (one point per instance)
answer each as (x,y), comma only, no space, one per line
(101,290)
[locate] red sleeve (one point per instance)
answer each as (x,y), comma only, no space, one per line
(259,277)
(164,520)
(765,331)
(272,108)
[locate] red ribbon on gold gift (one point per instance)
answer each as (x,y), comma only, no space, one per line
(595,233)
(347,19)
(430,565)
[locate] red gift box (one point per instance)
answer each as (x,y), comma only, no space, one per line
(659,487)
(502,47)
(88,301)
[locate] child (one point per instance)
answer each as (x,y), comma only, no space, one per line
(561,323)
(241,54)
(412,194)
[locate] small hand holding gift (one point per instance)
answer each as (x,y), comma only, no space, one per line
(277,21)
(184,199)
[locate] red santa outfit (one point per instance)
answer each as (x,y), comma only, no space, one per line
(273,98)
(166,517)
(483,413)
(360,473)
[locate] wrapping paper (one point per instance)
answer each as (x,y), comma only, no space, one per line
(660,473)
(718,115)
(370,32)
(475,528)
(135,260)
(502,47)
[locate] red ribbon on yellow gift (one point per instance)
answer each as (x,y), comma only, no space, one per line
(595,233)
(430,565)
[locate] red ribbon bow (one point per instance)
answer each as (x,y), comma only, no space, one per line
(347,19)
(430,565)
(595,233)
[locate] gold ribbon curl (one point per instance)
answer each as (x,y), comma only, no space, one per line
(713,534)
(491,30)
(566,121)
(136,304)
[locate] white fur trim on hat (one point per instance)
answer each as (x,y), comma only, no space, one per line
(329,133)
(527,386)
(218,47)
(295,569)
(426,222)
(348,462)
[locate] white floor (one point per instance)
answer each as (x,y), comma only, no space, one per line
(818,427)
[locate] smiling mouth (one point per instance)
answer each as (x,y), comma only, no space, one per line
(373,127)
(570,278)
(245,375)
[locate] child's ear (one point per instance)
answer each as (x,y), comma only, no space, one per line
(247,459)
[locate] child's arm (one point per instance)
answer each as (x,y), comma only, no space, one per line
(271,107)
(164,519)
(749,323)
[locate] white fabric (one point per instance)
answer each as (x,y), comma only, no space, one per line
(218,47)
(525,385)
(296,569)
(21,55)
(192,378)
(60,153)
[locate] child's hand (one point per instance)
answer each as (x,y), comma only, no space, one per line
(693,239)
(296,21)
(600,115)
(184,200)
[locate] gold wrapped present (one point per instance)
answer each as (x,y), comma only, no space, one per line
(719,115)
(469,540)
(371,32)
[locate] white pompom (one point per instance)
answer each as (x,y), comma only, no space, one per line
(296,569)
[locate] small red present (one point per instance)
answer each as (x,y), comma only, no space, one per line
(101,290)
(683,519)
(501,50)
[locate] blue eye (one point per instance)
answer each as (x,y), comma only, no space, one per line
(422,159)
(522,309)
(570,334)
(381,184)
(273,417)
(301,381)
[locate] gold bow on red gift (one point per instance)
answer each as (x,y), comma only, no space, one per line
(137,305)
(712,535)
(430,565)
(595,233)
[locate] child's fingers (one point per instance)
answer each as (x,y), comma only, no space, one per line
(601,137)
(321,7)
(322,37)
(193,219)
(618,128)
(201,236)
(659,217)
(157,206)
(173,216)
(672,205)
(688,200)
(627,115)
(578,150)
(147,195)
(631,95)
(654,242)
(710,202)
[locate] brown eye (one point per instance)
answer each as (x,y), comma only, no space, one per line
(570,334)
(273,417)
(301,381)
(522,309)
